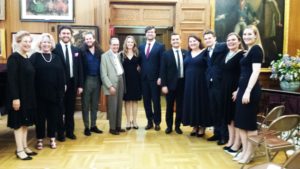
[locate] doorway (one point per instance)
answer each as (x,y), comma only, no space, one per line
(162,35)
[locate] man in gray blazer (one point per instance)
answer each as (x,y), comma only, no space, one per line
(113,85)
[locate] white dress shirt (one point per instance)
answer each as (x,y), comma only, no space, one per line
(117,64)
(177,62)
(63,46)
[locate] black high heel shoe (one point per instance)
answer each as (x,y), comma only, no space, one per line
(29,152)
(227,147)
(24,158)
(134,126)
(194,132)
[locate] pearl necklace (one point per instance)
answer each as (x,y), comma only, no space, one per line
(46,59)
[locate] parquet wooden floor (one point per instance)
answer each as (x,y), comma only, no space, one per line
(135,149)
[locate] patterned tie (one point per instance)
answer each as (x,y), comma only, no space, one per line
(67,62)
(148,51)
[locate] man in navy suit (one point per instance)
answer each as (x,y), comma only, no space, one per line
(215,53)
(172,82)
(150,58)
(70,56)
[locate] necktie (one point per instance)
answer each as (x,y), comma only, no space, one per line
(67,62)
(210,51)
(148,50)
(178,64)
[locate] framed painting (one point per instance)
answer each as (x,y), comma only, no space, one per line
(2,9)
(47,10)
(79,32)
(34,43)
(2,44)
(267,15)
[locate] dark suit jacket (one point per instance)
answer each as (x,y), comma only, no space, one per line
(77,64)
(168,71)
(150,67)
(214,68)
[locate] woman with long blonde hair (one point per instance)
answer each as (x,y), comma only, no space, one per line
(133,92)
(247,96)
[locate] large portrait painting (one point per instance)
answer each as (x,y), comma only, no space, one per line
(2,44)
(2,9)
(35,39)
(47,10)
(267,15)
(79,32)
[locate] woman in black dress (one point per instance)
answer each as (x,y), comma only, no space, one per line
(50,85)
(248,93)
(195,103)
(133,92)
(21,94)
(231,74)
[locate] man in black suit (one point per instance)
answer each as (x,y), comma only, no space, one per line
(150,58)
(215,53)
(70,56)
(172,82)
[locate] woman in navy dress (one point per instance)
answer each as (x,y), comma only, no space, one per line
(248,93)
(195,104)
(133,92)
(231,74)
(21,94)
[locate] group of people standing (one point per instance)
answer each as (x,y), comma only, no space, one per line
(216,85)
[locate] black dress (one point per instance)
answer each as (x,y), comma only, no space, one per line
(195,99)
(132,79)
(231,75)
(245,116)
(20,83)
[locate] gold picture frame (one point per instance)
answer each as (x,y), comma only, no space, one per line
(285,26)
(2,9)
(2,44)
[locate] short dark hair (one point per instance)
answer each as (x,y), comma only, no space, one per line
(201,46)
(65,27)
(209,32)
(149,28)
(174,33)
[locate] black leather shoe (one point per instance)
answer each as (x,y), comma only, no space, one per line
(61,138)
(113,132)
(213,138)
(168,130)
(149,126)
(96,130)
(71,136)
(120,130)
(222,142)
(87,132)
(157,127)
(178,130)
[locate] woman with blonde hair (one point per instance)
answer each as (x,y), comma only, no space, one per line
(133,92)
(247,96)
(49,82)
(21,94)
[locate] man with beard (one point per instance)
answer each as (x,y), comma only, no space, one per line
(91,57)
(70,56)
